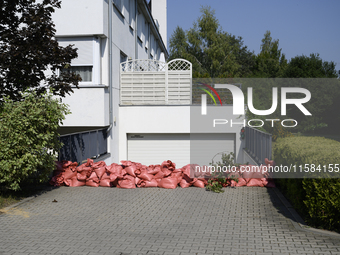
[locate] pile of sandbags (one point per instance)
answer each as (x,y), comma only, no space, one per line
(129,175)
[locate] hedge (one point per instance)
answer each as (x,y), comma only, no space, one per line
(317,199)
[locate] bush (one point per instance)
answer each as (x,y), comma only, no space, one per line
(317,199)
(29,138)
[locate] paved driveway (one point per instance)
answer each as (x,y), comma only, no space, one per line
(155,221)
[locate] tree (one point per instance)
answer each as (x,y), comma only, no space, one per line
(310,67)
(212,51)
(270,62)
(28,48)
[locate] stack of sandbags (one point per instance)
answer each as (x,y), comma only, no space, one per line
(130,175)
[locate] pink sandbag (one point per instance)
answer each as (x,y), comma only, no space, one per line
(92,183)
(93,176)
(150,184)
(184,184)
(153,169)
(106,175)
(89,162)
(159,175)
(241,182)
(168,183)
(126,162)
(105,183)
(198,184)
(84,167)
(98,164)
(128,182)
(233,183)
(82,176)
(177,175)
(67,182)
(76,183)
(131,170)
(100,171)
(145,176)
(68,174)
(255,183)
(169,165)
(166,171)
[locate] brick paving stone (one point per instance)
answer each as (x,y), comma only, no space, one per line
(153,221)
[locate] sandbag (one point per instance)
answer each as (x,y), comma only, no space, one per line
(159,175)
(241,182)
(83,167)
(184,184)
(150,184)
(233,183)
(198,184)
(106,175)
(126,162)
(166,172)
(131,170)
(92,183)
(67,182)
(82,176)
(145,176)
(168,183)
(128,182)
(153,169)
(68,174)
(255,183)
(76,183)
(169,165)
(100,171)
(105,183)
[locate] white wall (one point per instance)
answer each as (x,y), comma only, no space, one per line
(89,107)
(81,17)
(153,120)
(159,13)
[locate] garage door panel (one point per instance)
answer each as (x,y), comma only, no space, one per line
(182,149)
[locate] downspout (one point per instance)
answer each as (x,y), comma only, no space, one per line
(110,67)
(136,27)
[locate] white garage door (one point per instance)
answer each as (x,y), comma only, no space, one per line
(152,149)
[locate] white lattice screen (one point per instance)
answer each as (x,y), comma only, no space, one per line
(151,82)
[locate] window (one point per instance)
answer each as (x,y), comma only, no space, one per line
(87,64)
(118,4)
(123,57)
(132,14)
(85,72)
(140,24)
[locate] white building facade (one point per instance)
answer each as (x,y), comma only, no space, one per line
(131,103)
(106,34)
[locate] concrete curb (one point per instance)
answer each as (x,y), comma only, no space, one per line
(299,223)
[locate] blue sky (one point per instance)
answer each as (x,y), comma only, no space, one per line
(302,26)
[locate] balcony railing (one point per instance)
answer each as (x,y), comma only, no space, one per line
(80,146)
(258,144)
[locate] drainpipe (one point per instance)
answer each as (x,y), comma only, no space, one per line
(110,67)
(136,27)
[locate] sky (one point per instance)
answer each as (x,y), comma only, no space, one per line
(302,26)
